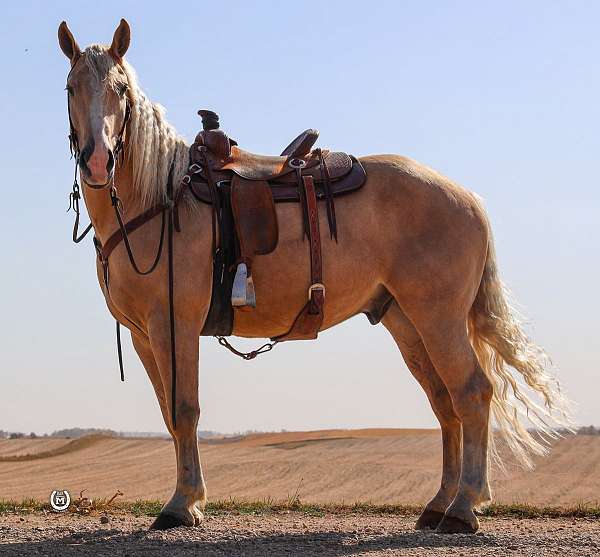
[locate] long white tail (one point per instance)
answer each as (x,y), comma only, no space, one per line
(500,343)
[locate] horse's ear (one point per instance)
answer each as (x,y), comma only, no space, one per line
(120,42)
(67,43)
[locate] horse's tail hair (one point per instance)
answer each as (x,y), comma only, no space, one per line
(497,336)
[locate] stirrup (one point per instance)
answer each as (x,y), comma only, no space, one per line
(242,293)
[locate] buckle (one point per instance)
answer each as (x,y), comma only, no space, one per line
(315,286)
(297,163)
(186,179)
(195,168)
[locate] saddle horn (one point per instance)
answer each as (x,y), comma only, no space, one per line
(210,120)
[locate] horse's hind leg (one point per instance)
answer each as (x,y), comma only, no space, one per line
(447,343)
(413,351)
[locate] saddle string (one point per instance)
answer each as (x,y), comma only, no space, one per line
(303,204)
(328,195)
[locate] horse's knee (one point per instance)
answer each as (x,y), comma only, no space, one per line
(187,418)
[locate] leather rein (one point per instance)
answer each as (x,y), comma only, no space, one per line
(169,216)
(169,220)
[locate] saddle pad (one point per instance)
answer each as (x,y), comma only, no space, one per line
(288,191)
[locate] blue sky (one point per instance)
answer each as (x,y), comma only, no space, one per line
(501,97)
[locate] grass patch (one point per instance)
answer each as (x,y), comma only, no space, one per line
(269,506)
(24,506)
(521,510)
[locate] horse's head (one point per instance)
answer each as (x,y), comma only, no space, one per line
(99,101)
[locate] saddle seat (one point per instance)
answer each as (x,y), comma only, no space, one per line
(215,148)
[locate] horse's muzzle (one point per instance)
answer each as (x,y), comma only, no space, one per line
(97,165)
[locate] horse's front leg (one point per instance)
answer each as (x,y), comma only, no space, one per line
(185,506)
(142,347)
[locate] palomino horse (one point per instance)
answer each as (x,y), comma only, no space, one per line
(409,230)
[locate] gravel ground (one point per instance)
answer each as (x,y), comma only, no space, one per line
(291,534)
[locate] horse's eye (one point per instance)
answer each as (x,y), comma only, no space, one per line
(69,90)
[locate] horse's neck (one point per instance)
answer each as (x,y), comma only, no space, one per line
(99,205)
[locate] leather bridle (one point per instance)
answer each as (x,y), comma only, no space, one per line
(119,142)
(117,153)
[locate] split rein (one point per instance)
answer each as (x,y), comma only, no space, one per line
(169,215)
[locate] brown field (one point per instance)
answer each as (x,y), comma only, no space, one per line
(378,466)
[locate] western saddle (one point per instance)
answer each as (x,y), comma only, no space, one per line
(243,188)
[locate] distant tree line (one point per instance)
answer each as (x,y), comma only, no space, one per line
(19,435)
(76,432)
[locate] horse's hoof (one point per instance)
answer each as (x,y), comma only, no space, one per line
(198,518)
(429,520)
(454,525)
(166,521)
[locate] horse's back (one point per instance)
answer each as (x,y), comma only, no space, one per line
(404,225)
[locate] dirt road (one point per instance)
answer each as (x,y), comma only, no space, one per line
(291,534)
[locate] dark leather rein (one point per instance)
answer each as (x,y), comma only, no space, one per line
(169,216)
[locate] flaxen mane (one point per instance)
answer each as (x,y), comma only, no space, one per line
(151,143)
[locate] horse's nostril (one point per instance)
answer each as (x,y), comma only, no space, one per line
(86,153)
